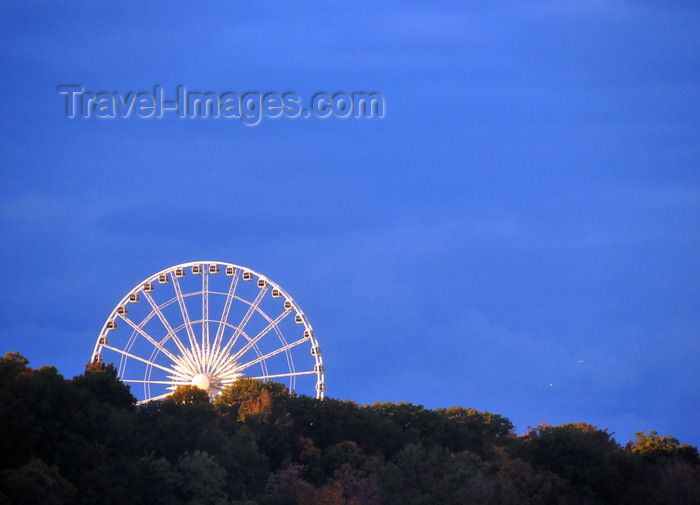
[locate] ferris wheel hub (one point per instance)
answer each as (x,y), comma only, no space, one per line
(201,381)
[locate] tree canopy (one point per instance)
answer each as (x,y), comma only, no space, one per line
(85,441)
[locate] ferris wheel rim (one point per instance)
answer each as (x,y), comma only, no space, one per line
(198,355)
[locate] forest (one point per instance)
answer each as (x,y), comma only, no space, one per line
(85,441)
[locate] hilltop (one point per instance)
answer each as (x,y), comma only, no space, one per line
(85,441)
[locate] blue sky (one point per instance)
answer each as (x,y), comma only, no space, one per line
(520,233)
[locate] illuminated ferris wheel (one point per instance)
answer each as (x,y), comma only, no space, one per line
(206,324)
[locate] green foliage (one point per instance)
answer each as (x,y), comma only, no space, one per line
(170,429)
(247,468)
(419,474)
(83,441)
(35,483)
(201,479)
(653,446)
(533,486)
(188,395)
(251,398)
(588,458)
(157,480)
(12,364)
(246,388)
(469,429)
(101,381)
(670,470)
(331,422)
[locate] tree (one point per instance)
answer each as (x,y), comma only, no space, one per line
(202,479)
(469,429)
(101,381)
(653,447)
(34,412)
(169,429)
(534,487)
(247,469)
(83,441)
(155,481)
(360,487)
(670,471)
(245,393)
(189,395)
(35,483)
(285,487)
(12,364)
(589,458)
(420,474)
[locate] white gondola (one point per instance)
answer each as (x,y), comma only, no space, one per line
(308,334)
(288,305)
(111,324)
(213,268)
(230,271)
(121,310)
(179,272)
(276,293)
(196,269)
(320,387)
(298,319)
(262,283)
(318,368)
(247,276)
(163,278)
(97,358)
(147,287)
(134,297)
(315,351)
(102,340)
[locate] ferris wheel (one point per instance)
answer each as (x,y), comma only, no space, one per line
(207,324)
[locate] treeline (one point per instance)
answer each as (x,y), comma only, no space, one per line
(85,442)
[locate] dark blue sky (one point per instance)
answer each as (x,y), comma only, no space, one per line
(519,234)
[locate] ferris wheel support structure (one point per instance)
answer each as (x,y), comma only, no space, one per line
(207,324)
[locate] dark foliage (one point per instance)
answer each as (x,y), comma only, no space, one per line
(85,441)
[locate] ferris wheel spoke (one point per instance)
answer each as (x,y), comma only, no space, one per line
(167,383)
(280,375)
(227,309)
(246,318)
(271,354)
(168,327)
(239,329)
(142,360)
(153,341)
(288,356)
(194,345)
(260,335)
(205,312)
(230,365)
